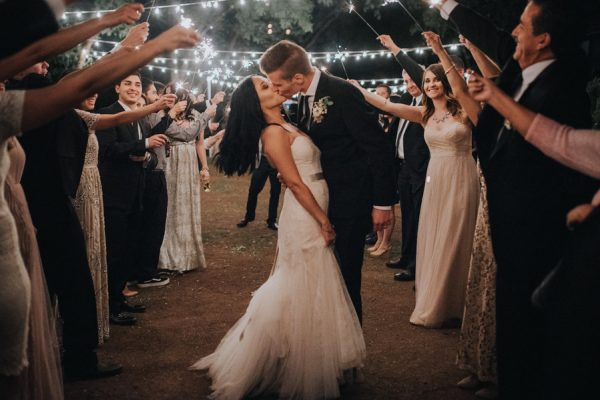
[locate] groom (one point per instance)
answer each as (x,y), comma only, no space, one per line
(356,158)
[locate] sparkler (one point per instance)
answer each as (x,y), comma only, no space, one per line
(150,10)
(352,9)
(341,58)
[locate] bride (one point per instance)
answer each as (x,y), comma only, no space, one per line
(300,331)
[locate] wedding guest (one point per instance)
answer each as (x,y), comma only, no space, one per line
(449,209)
(55,158)
(567,295)
(260,175)
(528,192)
(477,342)
(186,170)
(79,359)
(388,122)
(149,91)
(412,158)
(89,205)
(125,156)
(42,377)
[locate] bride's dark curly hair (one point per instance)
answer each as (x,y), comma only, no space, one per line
(239,147)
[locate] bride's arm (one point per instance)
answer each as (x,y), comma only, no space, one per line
(411,113)
(276,147)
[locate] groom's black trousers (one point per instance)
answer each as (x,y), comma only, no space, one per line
(349,248)
(257,183)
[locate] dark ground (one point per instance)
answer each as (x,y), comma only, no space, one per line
(186,319)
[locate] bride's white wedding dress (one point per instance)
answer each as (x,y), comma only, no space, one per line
(300,331)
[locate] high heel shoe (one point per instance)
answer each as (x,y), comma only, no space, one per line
(381,250)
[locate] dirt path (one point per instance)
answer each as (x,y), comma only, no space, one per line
(186,320)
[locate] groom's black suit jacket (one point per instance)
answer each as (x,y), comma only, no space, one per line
(122,179)
(356,157)
(529,194)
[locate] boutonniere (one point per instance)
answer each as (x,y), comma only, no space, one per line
(320,109)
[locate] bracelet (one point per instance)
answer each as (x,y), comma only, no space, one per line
(450,69)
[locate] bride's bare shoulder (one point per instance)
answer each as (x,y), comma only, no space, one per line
(274,134)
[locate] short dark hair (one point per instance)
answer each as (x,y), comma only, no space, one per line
(386,87)
(146,83)
(563,20)
(286,56)
(136,73)
(160,87)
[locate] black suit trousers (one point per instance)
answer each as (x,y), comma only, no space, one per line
(257,183)
(152,225)
(411,195)
(122,229)
(64,258)
(572,352)
(349,250)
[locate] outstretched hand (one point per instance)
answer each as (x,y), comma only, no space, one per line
(355,83)
(480,88)
(165,101)
(137,35)
(178,37)
(434,41)
(387,42)
(126,14)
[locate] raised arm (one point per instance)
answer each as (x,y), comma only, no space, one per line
(276,147)
(412,68)
(66,39)
(496,43)
(105,121)
(414,114)
(488,68)
(68,92)
(457,82)
(577,149)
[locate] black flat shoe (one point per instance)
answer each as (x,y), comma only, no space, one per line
(397,264)
(135,308)
(122,318)
(243,223)
(404,276)
(100,370)
(371,239)
(272,226)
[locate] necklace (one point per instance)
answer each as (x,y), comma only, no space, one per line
(443,118)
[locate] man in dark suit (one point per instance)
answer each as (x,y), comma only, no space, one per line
(125,154)
(356,158)
(412,157)
(55,157)
(529,194)
(260,175)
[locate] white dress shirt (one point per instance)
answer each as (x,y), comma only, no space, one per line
(402,127)
(139,130)
(311,92)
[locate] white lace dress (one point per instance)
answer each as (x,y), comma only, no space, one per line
(89,206)
(300,331)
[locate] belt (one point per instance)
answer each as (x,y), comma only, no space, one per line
(180,143)
(316,177)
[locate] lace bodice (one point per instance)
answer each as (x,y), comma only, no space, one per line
(453,141)
(91,151)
